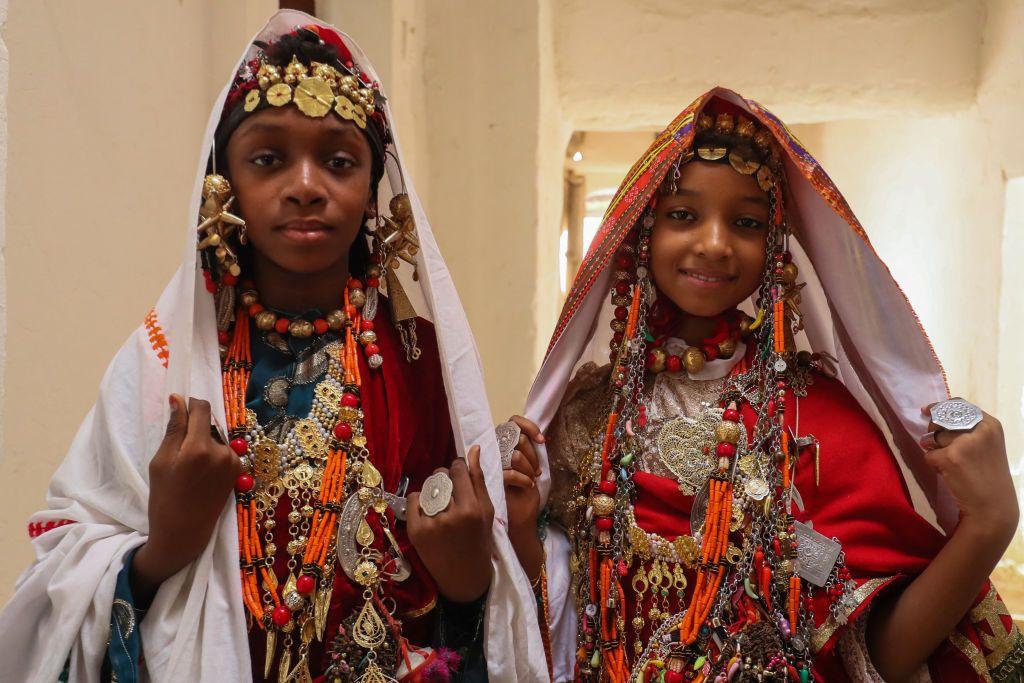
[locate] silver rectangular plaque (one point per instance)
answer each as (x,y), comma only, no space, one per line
(817,554)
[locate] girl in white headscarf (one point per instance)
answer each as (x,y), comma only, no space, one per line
(260,529)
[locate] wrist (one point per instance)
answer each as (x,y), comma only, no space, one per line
(988,534)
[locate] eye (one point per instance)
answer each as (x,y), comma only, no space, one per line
(340,162)
(264,159)
(681,215)
(749,223)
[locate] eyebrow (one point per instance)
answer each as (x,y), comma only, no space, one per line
(749,199)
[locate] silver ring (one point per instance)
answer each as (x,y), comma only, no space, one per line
(928,442)
(508,434)
(956,415)
(436,495)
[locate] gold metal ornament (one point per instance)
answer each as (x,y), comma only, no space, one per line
(693,360)
(369,630)
(742,165)
(373,674)
(711,153)
(218,227)
(279,94)
(252,100)
(726,348)
(313,97)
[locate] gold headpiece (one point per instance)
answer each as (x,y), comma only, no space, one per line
(315,90)
(742,155)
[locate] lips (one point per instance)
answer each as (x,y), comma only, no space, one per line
(305,230)
(707,278)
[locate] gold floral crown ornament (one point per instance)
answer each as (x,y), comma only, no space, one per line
(747,146)
(315,90)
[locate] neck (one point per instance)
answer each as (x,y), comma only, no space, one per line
(694,329)
(299,292)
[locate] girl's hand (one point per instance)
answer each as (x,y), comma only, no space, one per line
(455,544)
(523,499)
(190,478)
(975,468)
(521,495)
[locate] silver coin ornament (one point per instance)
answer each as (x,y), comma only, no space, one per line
(956,415)
(508,434)
(436,495)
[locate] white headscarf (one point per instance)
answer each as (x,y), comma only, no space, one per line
(196,628)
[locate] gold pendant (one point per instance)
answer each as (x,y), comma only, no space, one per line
(369,631)
(267,461)
(284,665)
(369,476)
(364,534)
(271,651)
(373,674)
(300,674)
(308,630)
(321,605)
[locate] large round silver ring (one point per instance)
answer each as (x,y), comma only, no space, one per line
(436,495)
(508,439)
(928,442)
(956,415)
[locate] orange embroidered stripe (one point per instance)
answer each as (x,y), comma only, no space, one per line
(156,337)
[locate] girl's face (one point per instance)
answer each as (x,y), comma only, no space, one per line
(708,241)
(302,186)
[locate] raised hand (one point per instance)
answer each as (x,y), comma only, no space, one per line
(455,544)
(190,478)
(975,468)
(522,498)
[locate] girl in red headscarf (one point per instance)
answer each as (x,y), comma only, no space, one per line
(726,483)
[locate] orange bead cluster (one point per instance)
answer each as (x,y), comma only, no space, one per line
(255,565)
(715,537)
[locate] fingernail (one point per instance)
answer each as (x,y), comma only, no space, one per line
(174,404)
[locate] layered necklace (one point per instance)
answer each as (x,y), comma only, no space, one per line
(747,614)
(319,463)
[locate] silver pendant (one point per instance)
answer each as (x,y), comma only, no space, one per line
(816,554)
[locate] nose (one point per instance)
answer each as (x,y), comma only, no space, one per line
(713,239)
(305,187)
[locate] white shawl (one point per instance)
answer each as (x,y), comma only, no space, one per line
(195,629)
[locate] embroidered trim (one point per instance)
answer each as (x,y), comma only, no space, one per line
(36,529)
(157,338)
(417,612)
(1011,668)
(1005,647)
(824,633)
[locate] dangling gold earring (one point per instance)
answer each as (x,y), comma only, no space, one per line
(217,225)
(394,241)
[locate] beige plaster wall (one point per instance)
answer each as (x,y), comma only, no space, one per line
(109,103)
(641,61)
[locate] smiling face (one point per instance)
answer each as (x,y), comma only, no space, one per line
(708,241)
(303,187)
